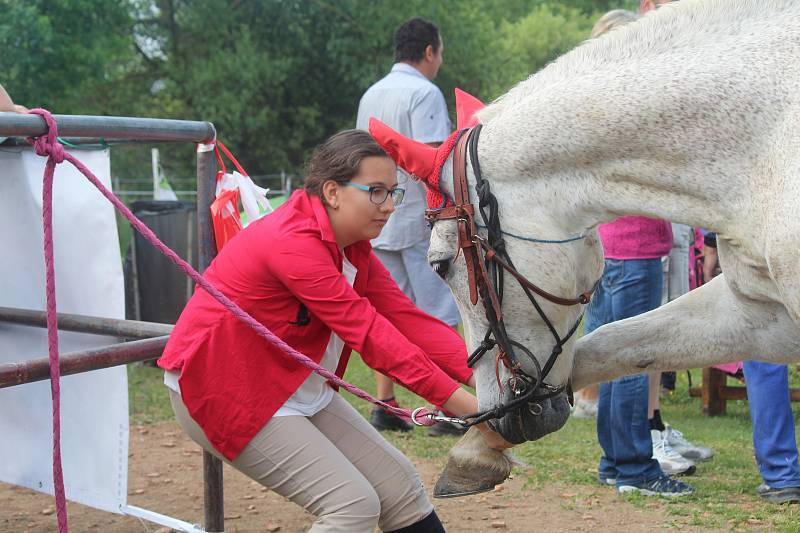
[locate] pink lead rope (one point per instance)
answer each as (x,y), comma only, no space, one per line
(48,146)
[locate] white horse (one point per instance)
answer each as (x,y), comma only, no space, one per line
(692,115)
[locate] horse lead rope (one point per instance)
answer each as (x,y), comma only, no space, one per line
(47,145)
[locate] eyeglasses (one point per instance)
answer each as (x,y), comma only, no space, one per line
(378,194)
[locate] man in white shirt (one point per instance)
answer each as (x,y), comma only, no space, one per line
(408,101)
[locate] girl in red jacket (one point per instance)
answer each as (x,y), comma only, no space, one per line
(308,274)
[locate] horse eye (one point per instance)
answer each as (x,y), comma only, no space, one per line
(441,267)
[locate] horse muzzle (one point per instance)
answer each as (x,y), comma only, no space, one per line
(533,420)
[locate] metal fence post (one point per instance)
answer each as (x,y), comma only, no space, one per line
(212,467)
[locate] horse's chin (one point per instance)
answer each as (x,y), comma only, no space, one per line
(525,424)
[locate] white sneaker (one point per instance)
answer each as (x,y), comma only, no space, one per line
(678,442)
(672,463)
(585,408)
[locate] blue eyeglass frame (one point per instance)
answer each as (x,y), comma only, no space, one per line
(397,194)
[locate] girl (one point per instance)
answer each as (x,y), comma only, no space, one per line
(308,274)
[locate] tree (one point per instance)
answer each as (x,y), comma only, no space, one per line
(528,44)
(275,76)
(66,55)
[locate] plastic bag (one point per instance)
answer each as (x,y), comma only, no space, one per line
(253,198)
(225,217)
(231,188)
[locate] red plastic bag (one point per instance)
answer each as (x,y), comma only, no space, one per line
(225,217)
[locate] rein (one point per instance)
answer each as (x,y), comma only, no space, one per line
(487,262)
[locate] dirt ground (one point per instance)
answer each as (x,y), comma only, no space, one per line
(165,475)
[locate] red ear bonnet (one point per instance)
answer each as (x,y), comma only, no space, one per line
(412,156)
(422,161)
(466,107)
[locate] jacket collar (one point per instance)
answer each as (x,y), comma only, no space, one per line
(311,204)
(320,215)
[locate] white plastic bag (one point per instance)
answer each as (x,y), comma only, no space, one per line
(254,198)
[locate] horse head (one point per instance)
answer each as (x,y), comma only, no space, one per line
(520,281)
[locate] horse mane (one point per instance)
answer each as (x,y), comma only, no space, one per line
(684,24)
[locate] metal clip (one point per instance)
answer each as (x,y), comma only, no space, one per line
(451,419)
(435,418)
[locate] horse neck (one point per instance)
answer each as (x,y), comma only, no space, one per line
(681,133)
(592,182)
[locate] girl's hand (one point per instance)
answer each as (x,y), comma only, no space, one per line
(463,403)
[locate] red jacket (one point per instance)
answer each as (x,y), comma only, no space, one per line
(232,381)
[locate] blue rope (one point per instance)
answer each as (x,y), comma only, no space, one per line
(542,241)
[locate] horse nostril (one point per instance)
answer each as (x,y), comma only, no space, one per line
(441,267)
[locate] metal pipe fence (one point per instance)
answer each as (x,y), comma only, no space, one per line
(83,129)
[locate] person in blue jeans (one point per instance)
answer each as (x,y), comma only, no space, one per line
(773,431)
(774,439)
(628,288)
(632,281)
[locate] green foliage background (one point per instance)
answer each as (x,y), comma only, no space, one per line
(275,76)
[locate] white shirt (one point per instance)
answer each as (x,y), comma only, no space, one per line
(314,394)
(408,102)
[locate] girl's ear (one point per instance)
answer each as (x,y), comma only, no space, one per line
(330,194)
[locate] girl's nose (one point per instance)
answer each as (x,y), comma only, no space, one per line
(388,205)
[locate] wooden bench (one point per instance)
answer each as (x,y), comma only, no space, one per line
(716,392)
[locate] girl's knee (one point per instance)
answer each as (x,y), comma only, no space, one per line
(368,506)
(359,514)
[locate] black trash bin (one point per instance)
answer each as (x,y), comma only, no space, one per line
(156,290)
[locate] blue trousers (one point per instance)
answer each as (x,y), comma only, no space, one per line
(628,288)
(773,423)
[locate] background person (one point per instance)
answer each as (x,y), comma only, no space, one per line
(669,444)
(408,101)
(631,284)
(770,405)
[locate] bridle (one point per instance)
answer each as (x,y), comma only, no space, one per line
(487,261)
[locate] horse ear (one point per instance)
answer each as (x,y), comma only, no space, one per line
(412,156)
(466,107)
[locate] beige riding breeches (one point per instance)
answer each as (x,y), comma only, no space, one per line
(333,464)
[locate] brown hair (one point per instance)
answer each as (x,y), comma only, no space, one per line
(338,158)
(612,19)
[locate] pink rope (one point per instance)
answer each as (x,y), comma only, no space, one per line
(48,146)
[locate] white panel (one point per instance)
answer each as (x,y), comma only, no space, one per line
(94,405)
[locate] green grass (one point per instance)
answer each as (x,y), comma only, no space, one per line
(148,400)
(725,486)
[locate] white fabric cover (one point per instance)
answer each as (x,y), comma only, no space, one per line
(94,405)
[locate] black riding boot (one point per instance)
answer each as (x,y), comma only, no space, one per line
(668,380)
(429,524)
